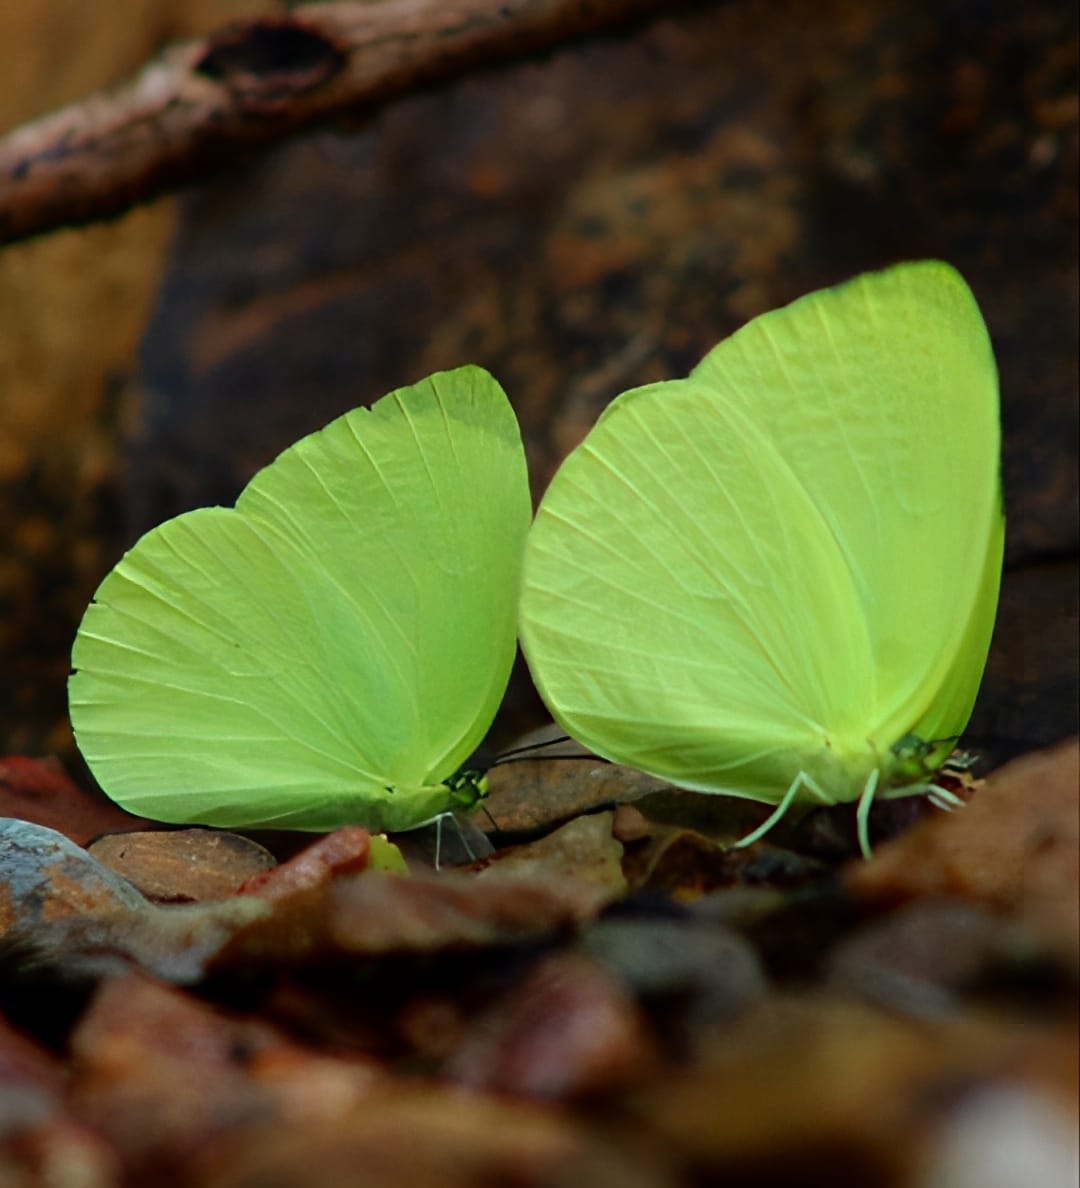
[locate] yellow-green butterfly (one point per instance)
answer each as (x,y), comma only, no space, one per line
(331,650)
(777,578)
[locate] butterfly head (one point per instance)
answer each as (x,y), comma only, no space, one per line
(467,788)
(912,760)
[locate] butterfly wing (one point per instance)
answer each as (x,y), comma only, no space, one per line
(332,648)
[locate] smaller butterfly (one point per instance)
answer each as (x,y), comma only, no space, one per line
(331,650)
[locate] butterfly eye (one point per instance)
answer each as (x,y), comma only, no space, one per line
(467,788)
(917,757)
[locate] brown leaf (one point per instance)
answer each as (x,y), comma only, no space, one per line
(38,790)
(530,794)
(376,913)
(189,1095)
(40,1140)
(380,913)
(679,862)
(811,1090)
(431,1136)
(343,852)
(162,1075)
(567,1029)
(31,1081)
(920,958)
(693,972)
(183,865)
(582,859)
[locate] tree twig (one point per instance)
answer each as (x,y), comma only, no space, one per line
(203,104)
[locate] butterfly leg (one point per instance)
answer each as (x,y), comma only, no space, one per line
(960,761)
(802,780)
(862,813)
(943,799)
(462,838)
(814,788)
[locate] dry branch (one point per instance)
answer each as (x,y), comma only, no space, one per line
(204,104)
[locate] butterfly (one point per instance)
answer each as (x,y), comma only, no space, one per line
(777,578)
(333,648)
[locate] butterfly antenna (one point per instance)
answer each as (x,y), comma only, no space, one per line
(528,751)
(462,838)
(959,762)
(943,799)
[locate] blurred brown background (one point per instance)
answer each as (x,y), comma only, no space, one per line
(577,225)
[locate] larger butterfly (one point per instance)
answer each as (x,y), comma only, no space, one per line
(777,578)
(333,648)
